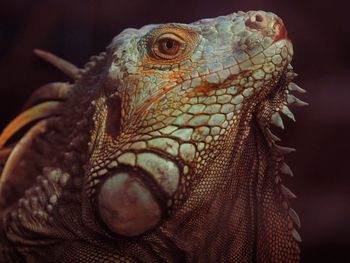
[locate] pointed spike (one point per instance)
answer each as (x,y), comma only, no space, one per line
(83,70)
(296,235)
(101,56)
(51,91)
(17,154)
(4,154)
(285,169)
(272,136)
(89,65)
(277,120)
(277,179)
(290,67)
(32,114)
(284,150)
(63,65)
(98,57)
(294,216)
(300,103)
(291,99)
(286,111)
(287,192)
(291,75)
(294,87)
(94,58)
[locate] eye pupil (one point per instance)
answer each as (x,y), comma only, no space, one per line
(169,47)
(169,44)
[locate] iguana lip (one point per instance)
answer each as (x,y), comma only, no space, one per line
(283,34)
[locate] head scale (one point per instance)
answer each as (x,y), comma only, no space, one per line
(179,93)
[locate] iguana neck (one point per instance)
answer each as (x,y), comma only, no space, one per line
(224,225)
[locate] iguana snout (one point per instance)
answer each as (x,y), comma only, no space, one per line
(266,22)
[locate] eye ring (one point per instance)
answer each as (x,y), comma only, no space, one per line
(168,46)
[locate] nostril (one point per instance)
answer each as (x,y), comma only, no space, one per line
(259,18)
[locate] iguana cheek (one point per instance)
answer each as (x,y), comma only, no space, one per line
(126,206)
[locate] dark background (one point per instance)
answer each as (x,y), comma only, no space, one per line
(320,32)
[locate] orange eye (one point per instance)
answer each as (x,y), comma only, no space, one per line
(169,46)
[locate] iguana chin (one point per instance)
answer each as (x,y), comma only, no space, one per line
(159,151)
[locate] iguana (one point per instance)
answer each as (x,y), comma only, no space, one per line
(160,150)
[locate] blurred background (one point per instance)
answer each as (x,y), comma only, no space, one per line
(320,31)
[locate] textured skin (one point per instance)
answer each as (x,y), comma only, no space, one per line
(191,129)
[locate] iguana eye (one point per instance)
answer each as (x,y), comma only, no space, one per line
(168,46)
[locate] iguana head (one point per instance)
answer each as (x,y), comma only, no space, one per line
(179,92)
(168,124)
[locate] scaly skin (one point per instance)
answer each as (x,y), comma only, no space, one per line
(161,152)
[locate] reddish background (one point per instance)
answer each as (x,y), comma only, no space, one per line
(321,35)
